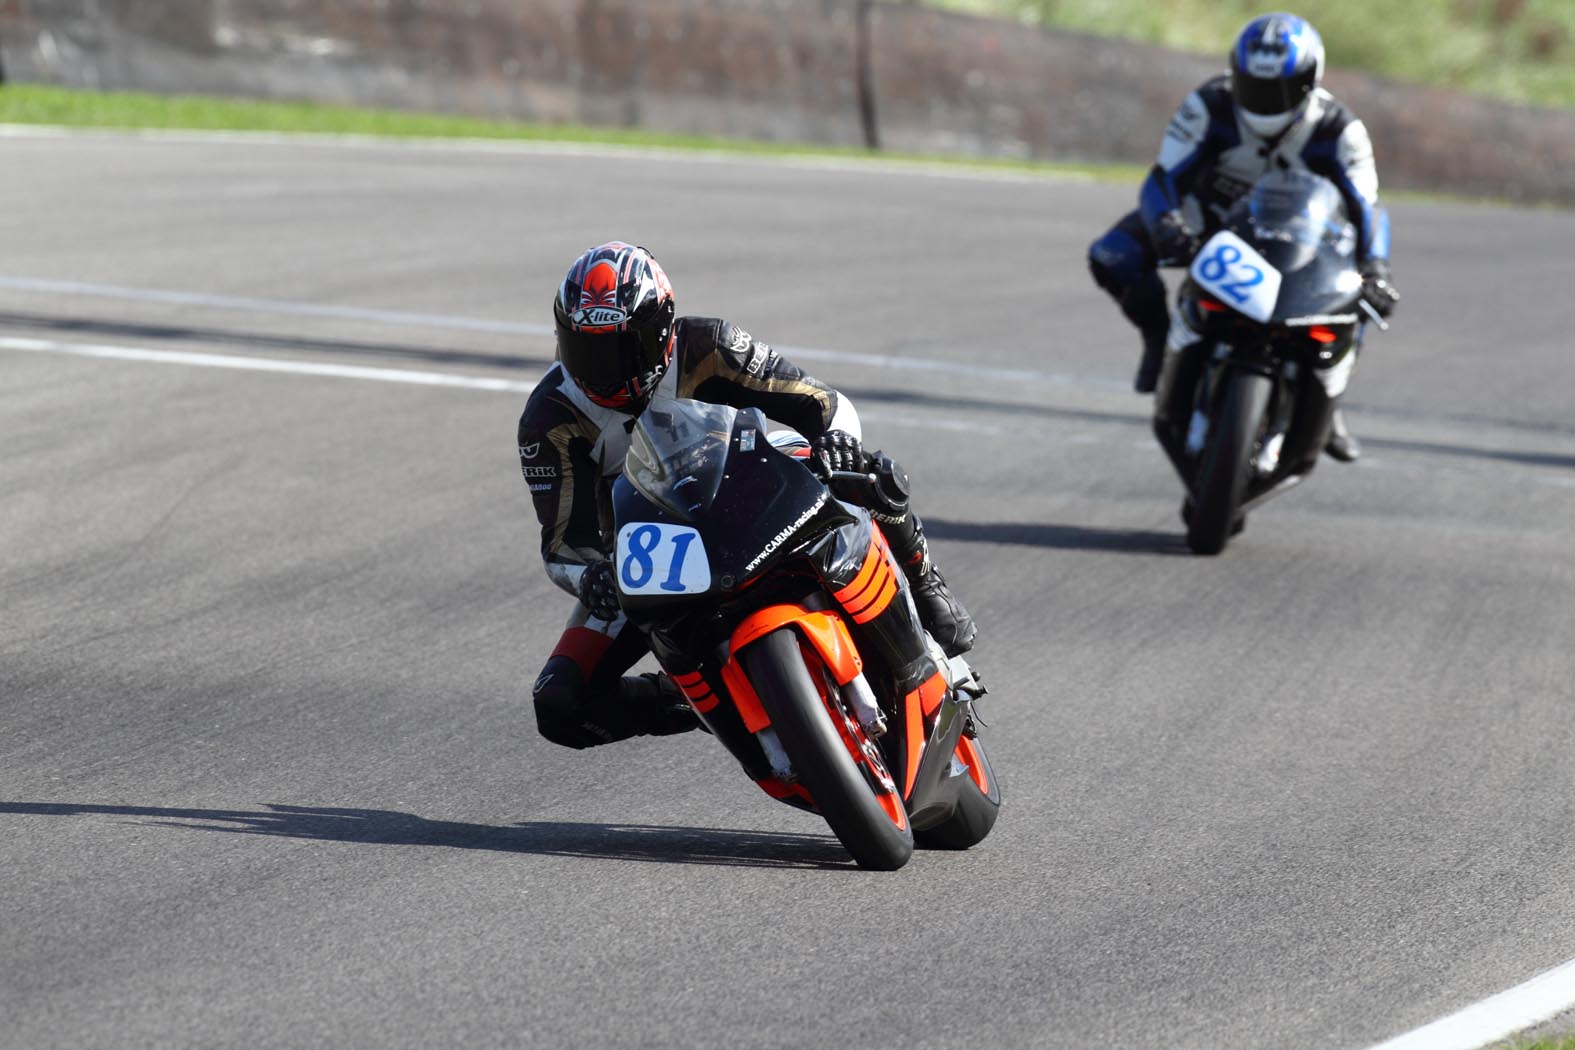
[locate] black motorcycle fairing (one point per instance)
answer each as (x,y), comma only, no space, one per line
(1297,221)
(683,469)
(935,782)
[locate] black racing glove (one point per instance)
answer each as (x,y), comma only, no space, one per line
(1378,291)
(1174,243)
(599,590)
(838,450)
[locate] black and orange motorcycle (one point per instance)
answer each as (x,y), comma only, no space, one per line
(781,613)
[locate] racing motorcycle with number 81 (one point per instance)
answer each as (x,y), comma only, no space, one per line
(783,617)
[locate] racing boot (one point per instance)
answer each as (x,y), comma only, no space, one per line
(657,704)
(1153,357)
(1144,305)
(577,714)
(1342,444)
(942,615)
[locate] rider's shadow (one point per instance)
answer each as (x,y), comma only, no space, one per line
(1058,537)
(633,842)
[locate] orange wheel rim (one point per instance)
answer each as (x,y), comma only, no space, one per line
(857,741)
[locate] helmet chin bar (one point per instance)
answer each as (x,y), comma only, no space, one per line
(1266,126)
(630,398)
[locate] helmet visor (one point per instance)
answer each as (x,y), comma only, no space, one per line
(605,364)
(604,360)
(1270,96)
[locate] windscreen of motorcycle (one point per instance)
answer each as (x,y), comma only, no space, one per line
(677,454)
(1290,215)
(1297,222)
(706,503)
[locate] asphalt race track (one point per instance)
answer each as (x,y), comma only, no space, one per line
(268,770)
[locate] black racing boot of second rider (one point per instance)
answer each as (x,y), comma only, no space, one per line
(1147,377)
(942,614)
(1144,305)
(1342,444)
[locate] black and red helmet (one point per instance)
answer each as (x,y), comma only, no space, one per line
(614,315)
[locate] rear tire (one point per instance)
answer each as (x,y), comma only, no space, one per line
(977,807)
(803,722)
(1222,474)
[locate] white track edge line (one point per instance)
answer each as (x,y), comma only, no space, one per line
(273,306)
(524,328)
(263,364)
(1496,1017)
(384,375)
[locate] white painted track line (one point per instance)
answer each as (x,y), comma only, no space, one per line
(263,364)
(1497,1017)
(273,306)
(384,375)
(406,319)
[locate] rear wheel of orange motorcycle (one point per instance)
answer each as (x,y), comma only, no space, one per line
(856,796)
(978,801)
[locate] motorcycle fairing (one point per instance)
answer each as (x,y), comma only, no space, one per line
(747,520)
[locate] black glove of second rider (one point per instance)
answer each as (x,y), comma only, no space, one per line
(599,591)
(838,450)
(1378,291)
(1174,243)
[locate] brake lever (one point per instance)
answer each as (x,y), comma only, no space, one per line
(855,481)
(1373,314)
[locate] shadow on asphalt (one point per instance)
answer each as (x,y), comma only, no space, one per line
(1059,537)
(1556,460)
(636,842)
(224,337)
(993,406)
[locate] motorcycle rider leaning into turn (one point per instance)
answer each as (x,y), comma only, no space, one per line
(1268,112)
(619,346)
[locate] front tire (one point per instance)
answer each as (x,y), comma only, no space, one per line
(870,823)
(1221,479)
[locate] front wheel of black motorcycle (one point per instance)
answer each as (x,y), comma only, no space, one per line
(1222,474)
(978,801)
(870,822)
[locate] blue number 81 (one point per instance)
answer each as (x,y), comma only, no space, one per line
(642,542)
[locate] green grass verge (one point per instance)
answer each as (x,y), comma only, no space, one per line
(63,107)
(35,104)
(1518,50)
(1556,1043)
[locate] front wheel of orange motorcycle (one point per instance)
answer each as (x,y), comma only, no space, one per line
(862,806)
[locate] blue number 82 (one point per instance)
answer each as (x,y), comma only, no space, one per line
(1216,266)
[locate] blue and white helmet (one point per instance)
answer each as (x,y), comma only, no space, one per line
(1276,64)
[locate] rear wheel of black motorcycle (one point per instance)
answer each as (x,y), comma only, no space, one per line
(978,802)
(1222,475)
(872,825)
